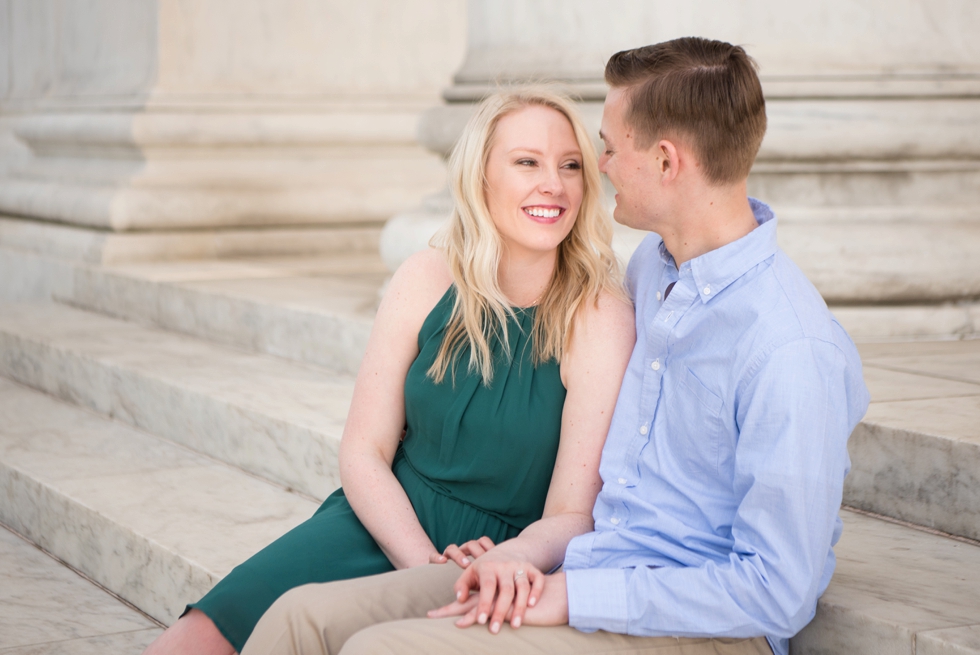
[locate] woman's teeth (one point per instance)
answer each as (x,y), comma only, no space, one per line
(541,212)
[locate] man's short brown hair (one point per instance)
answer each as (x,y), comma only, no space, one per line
(707,91)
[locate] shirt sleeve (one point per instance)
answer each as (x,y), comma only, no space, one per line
(794,419)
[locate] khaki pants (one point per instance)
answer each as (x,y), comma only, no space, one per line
(386,614)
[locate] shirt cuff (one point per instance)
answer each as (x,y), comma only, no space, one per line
(597,599)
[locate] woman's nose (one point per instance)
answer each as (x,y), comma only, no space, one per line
(551,182)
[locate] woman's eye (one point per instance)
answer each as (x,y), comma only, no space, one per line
(573,165)
(526,162)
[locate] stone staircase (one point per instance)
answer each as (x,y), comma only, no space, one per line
(159,423)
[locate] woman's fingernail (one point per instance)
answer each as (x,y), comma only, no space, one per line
(532,601)
(466,560)
(482,619)
(495,628)
(459,595)
(517,622)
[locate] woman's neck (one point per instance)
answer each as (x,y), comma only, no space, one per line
(524,277)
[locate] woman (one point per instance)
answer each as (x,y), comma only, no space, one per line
(480,356)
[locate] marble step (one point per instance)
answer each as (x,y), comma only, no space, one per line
(278,419)
(158,524)
(150,520)
(916,454)
(315,310)
(47,609)
(897,591)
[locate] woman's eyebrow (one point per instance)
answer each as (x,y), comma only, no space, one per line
(576,152)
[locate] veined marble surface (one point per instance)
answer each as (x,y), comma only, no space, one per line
(278,419)
(148,519)
(47,608)
(951,641)
(892,584)
(916,454)
(318,311)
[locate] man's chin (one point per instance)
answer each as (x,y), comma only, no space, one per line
(624,218)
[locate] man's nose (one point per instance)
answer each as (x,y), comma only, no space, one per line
(603,159)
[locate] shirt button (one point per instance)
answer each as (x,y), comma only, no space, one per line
(658,295)
(707,290)
(655,365)
(643,429)
(614,521)
(622,481)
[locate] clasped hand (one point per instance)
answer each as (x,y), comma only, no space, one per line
(505,588)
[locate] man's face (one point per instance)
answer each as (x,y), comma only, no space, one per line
(633,172)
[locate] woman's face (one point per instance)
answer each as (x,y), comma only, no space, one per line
(534,180)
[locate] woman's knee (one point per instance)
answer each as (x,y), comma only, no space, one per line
(194,632)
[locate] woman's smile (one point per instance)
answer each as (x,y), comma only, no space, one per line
(544,213)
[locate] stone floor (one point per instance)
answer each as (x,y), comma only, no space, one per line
(46,608)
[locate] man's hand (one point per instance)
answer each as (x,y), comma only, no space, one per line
(552,607)
(545,604)
(465,554)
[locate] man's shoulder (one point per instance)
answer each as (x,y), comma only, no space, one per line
(790,309)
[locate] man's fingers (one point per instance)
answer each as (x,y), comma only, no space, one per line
(467,619)
(454,608)
(464,584)
(522,588)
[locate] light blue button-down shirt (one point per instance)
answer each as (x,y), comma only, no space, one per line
(725,461)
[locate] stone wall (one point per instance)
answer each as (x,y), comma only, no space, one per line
(872,157)
(161,115)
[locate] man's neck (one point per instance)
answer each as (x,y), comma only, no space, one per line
(718,217)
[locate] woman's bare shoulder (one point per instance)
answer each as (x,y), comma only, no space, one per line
(612,311)
(417,286)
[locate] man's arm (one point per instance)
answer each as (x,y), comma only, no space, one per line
(794,417)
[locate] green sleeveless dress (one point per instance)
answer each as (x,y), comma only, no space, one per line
(476,460)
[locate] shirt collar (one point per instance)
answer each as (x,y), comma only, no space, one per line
(714,271)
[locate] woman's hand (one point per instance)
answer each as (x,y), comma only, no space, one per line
(465,554)
(505,589)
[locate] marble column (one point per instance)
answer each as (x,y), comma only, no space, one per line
(872,157)
(263,125)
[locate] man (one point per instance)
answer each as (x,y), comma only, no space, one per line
(724,465)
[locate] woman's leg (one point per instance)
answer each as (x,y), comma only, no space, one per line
(192,634)
(331,545)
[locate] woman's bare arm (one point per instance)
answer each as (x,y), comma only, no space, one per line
(377,413)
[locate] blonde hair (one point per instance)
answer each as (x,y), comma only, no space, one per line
(585,263)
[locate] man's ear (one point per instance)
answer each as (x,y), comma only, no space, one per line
(669,160)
